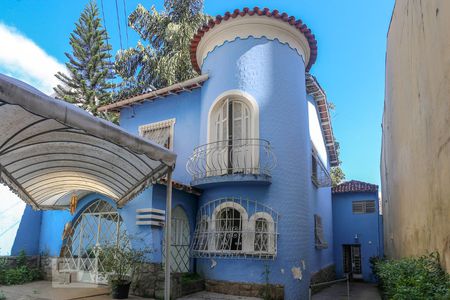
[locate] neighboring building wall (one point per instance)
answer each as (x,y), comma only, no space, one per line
(27,237)
(415,165)
(347,225)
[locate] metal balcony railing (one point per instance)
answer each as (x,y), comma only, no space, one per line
(237,156)
(320,175)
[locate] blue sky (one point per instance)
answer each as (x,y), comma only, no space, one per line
(351,37)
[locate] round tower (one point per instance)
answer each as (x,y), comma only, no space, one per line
(254,164)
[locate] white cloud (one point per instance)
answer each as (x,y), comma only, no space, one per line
(11,211)
(21,58)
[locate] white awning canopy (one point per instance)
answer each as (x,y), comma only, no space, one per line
(50,150)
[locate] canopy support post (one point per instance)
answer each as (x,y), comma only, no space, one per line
(167,236)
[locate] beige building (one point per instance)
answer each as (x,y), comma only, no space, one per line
(415,162)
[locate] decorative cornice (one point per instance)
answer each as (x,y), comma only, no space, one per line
(252,22)
(314,89)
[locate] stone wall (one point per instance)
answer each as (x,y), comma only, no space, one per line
(275,292)
(326,274)
(11,261)
(149,282)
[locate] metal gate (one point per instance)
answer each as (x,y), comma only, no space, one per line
(98,225)
(180,242)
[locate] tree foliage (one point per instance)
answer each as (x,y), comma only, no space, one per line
(337,175)
(161,56)
(89,81)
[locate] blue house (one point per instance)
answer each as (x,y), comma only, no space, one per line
(357,229)
(252,203)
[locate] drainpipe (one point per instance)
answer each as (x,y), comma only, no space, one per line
(167,236)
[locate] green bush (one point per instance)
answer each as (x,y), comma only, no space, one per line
(413,278)
(20,274)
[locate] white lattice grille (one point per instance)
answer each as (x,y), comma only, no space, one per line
(98,225)
(236,228)
(181,238)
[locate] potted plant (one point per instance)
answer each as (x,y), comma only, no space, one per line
(120,261)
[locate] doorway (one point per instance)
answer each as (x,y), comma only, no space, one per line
(352,260)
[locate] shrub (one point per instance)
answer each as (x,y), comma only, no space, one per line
(20,274)
(413,278)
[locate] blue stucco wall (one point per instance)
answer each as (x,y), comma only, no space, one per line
(27,237)
(141,236)
(346,225)
(320,200)
(274,75)
(185,108)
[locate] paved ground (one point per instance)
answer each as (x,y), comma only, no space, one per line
(215,296)
(43,290)
(358,291)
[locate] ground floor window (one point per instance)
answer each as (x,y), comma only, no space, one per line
(234,227)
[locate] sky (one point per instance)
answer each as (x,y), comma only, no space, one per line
(351,37)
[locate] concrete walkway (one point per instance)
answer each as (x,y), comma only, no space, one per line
(215,296)
(44,290)
(358,291)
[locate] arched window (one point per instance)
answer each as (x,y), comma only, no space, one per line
(264,234)
(261,242)
(233,134)
(228,226)
(223,229)
(229,229)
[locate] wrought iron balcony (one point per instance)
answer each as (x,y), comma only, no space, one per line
(232,157)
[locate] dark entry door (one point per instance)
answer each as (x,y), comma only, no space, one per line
(352,260)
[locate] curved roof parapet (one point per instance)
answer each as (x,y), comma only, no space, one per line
(254,22)
(50,149)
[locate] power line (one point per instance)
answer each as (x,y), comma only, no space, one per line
(9,228)
(118,25)
(126,19)
(12,206)
(107,41)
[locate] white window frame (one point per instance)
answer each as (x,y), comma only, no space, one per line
(363,204)
(244,228)
(250,102)
(242,96)
(271,232)
(160,125)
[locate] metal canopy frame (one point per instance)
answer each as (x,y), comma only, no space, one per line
(50,150)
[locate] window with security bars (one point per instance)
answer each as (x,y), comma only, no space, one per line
(261,235)
(320,241)
(98,225)
(319,173)
(159,132)
(363,207)
(235,227)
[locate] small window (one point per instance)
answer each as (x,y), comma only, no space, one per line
(320,241)
(159,132)
(363,207)
(261,243)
